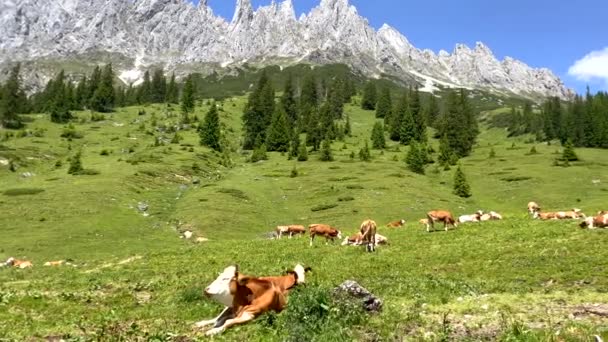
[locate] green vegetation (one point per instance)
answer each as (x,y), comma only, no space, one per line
(461,186)
(517,279)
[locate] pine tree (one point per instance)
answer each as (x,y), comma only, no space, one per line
(418,116)
(159,86)
(10,105)
(258,111)
(461,187)
(408,128)
(259,153)
(288,101)
(569,154)
(278,135)
(368,102)
(309,99)
(294,146)
(335,99)
(459,124)
(416,158)
(302,153)
(492,154)
(188,96)
(364,153)
(58,106)
(446,155)
(75,164)
(432,111)
(378,140)
(172,91)
(92,85)
(210,131)
(326,154)
(385,106)
(327,128)
(398,117)
(314,134)
(347,127)
(103,98)
(80,94)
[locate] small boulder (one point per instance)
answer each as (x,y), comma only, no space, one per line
(142,206)
(352,289)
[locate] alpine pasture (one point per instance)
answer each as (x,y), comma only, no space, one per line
(136,279)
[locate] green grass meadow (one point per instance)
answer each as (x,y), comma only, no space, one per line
(137,280)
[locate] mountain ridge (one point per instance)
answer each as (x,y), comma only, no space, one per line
(174,33)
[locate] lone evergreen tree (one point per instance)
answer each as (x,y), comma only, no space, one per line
(188,96)
(385,105)
(277,137)
(302,153)
(75,164)
(364,153)
(368,102)
(569,155)
(210,131)
(378,140)
(461,187)
(408,128)
(326,154)
(416,158)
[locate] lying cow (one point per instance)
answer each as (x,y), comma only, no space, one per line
(244,302)
(491,216)
(573,214)
(325,230)
(440,216)
(600,221)
(396,224)
(470,218)
(533,207)
(291,230)
(356,240)
(12,262)
(67,262)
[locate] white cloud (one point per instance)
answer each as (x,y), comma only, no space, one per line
(593,66)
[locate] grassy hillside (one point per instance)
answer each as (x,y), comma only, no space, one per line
(137,280)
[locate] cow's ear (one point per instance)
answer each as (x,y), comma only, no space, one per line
(243,280)
(308,269)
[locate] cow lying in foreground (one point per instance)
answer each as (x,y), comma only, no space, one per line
(440,216)
(325,230)
(290,230)
(12,262)
(600,221)
(471,218)
(396,224)
(247,297)
(357,240)
(573,214)
(491,216)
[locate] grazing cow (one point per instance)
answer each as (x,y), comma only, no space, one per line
(291,230)
(18,263)
(440,216)
(368,234)
(533,207)
(491,216)
(471,218)
(325,230)
(396,224)
(600,221)
(247,297)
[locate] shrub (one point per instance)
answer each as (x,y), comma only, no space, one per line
(326,154)
(533,151)
(75,164)
(346,199)
(322,207)
(294,172)
(70,132)
(259,154)
(22,192)
(96,117)
(492,154)
(364,153)
(302,153)
(104,152)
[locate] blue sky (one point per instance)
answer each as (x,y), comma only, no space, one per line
(542,33)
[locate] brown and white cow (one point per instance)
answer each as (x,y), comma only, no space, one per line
(533,207)
(356,240)
(471,218)
(440,216)
(368,234)
(491,216)
(220,291)
(325,230)
(290,230)
(600,221)
(573,214)
(12,262)
(396,224)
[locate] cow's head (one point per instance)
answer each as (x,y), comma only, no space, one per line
(402,221)
(586,223)
(219,290)
(10,261)
(300,272)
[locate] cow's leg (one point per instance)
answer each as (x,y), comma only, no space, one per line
(312,237)
(219,319)
(290,234)
(242,318)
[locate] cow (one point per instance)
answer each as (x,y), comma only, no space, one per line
(291,230)
(600,221)
(18,263)
(440,216)
(491,216)
(224,291)
(533,207)
(573,214)
(396,224)
(471,218)
(423,221)
(368,234)
(325,230)
(68,262)
(356,240)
